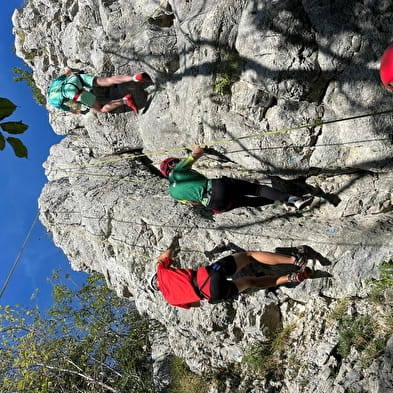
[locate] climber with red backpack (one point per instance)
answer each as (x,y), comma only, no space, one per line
(185,288)
(70,87)
(223,194)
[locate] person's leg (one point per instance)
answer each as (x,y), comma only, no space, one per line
(242,259)
(231,264)
(244,188)
(270,281)
(228,194)
(249,201)
(272,193)
(242,193)
(108,107)
(111,105)
(88,99)
(240,190)
(260,282)
(107,81)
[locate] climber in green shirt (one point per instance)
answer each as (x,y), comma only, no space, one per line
(186,184)
(222,194)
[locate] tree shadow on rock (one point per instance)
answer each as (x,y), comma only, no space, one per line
(222,247)
(218,155)
(300,187)
(202,211)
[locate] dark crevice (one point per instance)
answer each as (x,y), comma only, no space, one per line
(164,19)
(339,360)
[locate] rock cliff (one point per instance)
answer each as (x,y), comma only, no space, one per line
(241,76)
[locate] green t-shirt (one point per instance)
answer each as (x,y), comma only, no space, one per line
(186,184)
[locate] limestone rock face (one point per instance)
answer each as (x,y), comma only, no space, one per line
(296,80)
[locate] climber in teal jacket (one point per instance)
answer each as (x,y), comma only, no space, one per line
(76,87)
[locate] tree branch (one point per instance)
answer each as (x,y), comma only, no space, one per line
(86,377)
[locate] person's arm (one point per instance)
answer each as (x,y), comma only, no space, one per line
(197,152)
(166,254)
(67,72)
(189,161)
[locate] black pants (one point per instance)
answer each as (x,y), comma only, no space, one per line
(228,193)
(220,288)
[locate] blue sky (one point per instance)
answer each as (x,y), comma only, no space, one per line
(22,181)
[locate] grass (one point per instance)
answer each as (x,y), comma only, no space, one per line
(339,310)
(185,381)
(384,282)
(357,332)
(265,357)
(369,333)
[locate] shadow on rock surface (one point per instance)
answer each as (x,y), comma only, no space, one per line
(300,187)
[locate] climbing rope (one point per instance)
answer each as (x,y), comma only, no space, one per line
(19,256)
(97,239)
(318,123)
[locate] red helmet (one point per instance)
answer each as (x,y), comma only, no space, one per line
(167,165)
(386,68)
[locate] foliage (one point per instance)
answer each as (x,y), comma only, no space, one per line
(368,335)
(25,75)
(91,341)
(265,357)
(384,282)
(338,312)
(354,332)
(223,84)
(226,72)
(185,381)
(7,108)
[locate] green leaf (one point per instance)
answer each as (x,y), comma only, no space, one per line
(2,142)
(20,149)
(7,108)
(14,127)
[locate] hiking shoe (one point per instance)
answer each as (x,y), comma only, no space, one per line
(143,77)
(298,276)
(130,103)
(301,202)
(301,260)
